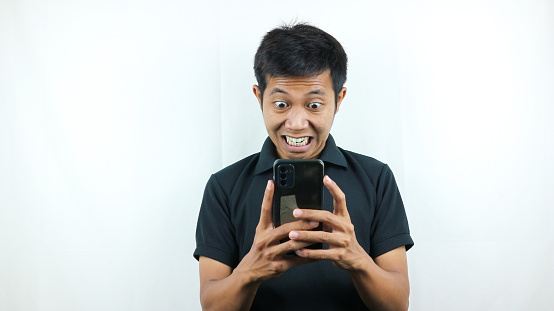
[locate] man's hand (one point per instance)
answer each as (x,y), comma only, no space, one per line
(381,283)
(267,258)
(224,288)
(344,250)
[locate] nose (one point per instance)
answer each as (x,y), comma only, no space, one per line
(297,119)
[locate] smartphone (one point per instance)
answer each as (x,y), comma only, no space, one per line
(298,184)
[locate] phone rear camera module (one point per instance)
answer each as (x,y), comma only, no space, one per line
(284,175)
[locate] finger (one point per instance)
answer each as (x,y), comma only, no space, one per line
(339,199)
(289,246)
(326,217)
(317,254)
(266,217)
(282,232)
(335,239)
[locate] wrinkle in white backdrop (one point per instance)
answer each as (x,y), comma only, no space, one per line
(113,114)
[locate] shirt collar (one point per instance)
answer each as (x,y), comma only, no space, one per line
(330,154)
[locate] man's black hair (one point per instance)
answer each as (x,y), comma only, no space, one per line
(300,50)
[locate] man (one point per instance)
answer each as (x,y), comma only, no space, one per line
(301,71)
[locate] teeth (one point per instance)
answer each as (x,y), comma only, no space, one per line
(297,142)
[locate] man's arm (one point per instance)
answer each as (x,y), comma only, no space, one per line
(224,288)
(220,288)
(381,283)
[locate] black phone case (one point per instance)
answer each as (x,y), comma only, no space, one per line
(298,183)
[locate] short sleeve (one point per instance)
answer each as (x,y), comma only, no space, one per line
(215,233)
(390,228)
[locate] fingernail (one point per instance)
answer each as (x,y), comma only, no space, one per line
(327,178)
(268,184)
(314,223)
(293,234)
(298,252)
(296,212)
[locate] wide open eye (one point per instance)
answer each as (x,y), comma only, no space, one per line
(280,104)
(314,105)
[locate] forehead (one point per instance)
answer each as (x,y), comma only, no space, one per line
(321,82)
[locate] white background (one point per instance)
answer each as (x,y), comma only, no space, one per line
(113,115)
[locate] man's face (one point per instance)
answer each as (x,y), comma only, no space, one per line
(298,113)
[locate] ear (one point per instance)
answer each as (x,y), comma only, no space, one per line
(258,94)
(341,96)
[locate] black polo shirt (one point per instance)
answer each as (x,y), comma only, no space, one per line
(230,212)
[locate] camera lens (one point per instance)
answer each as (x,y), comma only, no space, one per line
(283,183)
(282,169)
(283,176)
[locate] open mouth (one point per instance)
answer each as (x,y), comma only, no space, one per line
(297,142)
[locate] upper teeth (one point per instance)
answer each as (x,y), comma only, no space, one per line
(302,141)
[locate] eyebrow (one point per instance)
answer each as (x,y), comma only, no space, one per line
(278,90)
(314,92)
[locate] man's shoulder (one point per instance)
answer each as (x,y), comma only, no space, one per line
(366,162)
(375,170)
(233,171)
